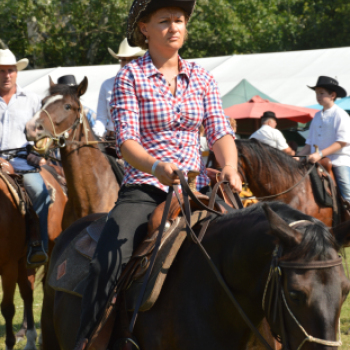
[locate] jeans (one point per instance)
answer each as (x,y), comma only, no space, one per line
(39,195)
(342,176)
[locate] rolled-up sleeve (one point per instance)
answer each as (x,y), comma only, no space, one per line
(215,122)
(125,109)
(342,128)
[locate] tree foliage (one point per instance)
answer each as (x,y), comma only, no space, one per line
(77,32)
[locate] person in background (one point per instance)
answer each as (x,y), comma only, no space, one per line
(330,131)
(104,125)
(270,135)
(17,107)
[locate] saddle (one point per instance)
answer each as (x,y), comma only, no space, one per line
(324,188)
(72,267)
(14,183)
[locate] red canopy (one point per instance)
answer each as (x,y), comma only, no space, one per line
(254,109)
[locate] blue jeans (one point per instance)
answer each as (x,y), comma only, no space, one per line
(39,195)
(342,175)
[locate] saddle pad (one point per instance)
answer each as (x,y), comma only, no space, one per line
(72,267)
(321,195)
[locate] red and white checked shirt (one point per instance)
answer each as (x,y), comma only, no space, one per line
(145,110)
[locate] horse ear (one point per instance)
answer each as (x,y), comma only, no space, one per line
(342,234)
(82,87)
(286,235)
(51,82)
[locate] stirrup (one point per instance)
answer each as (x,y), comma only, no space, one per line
(126,344)
(43,257)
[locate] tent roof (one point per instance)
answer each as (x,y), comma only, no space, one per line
(282,75)
(241,93)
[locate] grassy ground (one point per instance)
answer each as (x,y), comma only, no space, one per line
(345,317)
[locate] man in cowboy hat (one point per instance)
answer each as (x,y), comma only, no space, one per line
(104,124)
(330,131)
(17,106)
(270,135)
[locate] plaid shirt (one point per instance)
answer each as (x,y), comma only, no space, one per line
(166,126)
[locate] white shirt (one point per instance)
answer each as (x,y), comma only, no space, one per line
(328,127)
(103,119)
(13,118)
(270,136)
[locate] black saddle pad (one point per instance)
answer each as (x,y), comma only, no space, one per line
(322,197)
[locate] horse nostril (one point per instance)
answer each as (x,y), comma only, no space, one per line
(39,127)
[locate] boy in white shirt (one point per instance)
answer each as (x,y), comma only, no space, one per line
(330,131)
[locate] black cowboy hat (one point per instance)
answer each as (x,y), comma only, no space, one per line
(330,84)
(67,80)
(141,8)
(269,114)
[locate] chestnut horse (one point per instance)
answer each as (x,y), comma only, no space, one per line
(92,185)
(13,254)
(193,311)
(269,171)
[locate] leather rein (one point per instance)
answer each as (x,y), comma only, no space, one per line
(277,299)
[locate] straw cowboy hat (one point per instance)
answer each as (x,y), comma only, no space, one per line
(330,84)
(125,50)
(141,8)
(7,58)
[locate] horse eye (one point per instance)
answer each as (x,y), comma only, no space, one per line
(297,296)
(67,107)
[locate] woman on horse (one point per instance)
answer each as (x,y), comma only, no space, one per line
(158,104)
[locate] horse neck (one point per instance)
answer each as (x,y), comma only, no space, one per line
(265,183)
(92,186)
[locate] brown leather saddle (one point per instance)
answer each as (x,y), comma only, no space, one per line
(14,183)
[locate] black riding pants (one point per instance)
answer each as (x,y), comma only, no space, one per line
(125,229)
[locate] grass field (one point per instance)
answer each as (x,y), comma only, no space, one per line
(345,317)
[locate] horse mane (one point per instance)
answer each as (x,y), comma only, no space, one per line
(268,158)
(316,241)
(65,90)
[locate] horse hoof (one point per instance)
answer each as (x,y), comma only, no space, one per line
(31,339)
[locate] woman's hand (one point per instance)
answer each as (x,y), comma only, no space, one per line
(314,158)
(165,174)
(231,175)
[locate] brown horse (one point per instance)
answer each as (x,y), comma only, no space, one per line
(13,251)
(269,171)
(92,185)
(193,311)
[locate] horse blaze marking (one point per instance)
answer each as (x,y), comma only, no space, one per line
(61,270)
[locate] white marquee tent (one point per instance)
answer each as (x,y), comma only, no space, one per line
(281,75)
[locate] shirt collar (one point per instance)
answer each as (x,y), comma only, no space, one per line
(150,69)
(20,91)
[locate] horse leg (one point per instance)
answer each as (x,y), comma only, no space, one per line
(23,330)
(9,279)
(26,290)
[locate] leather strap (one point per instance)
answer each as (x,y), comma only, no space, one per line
(153,258)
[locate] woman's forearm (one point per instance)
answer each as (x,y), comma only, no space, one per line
(137,156)
(225,151)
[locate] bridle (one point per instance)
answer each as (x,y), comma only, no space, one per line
(277,298)
(60,139)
